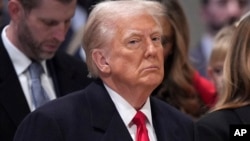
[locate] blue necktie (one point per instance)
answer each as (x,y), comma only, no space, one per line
(39,96)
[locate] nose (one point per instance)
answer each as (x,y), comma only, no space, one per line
(151,49)
(234,9)
(60,32)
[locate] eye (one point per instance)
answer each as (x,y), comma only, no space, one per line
(67,22)
(133,41)
(156,39)
(50,22)
(218,70)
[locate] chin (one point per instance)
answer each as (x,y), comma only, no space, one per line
(46,56)
(154,82)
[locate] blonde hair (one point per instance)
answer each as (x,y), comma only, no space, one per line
(237,69)
(221,44)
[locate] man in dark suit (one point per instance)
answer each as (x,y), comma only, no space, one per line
(123,45)
(34,35)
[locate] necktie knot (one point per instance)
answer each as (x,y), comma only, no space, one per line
(35,70)
(140,121)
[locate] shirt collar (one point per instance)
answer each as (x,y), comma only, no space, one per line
(20,61)
(126,111)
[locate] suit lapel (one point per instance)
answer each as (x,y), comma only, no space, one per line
(12,97)
(109,126)
(62,77)
(116,130)
(54,77)
(67,76)
(159,123)
(105,118)
(161,118)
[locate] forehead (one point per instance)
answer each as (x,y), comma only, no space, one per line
(54,8)
(140,23)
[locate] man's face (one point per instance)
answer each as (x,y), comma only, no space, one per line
(218,13)
(41,31)
(136,55)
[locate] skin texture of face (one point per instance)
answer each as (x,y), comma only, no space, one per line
(41,31)
(215,73)
(134,61)
(219,13)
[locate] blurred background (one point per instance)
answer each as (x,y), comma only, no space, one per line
(192,10)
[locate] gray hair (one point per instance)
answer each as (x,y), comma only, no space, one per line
(103,20)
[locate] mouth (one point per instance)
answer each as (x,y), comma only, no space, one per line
(51,47)
(152,68)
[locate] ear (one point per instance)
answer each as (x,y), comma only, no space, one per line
(101,61)
(15,10)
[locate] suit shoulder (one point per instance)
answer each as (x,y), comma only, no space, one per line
(64,105)
(219,119)
(170,111)
(215,125)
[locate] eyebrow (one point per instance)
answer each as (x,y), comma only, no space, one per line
(135,32)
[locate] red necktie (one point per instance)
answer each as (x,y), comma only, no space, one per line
(142,132)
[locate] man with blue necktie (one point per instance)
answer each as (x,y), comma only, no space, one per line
(36,30)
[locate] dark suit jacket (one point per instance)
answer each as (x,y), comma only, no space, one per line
(67,73)
(90,115)
(215,126)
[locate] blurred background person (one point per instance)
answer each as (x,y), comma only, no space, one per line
(221,45)
(72,44)
(4,18)
(182,86)
(233,106)
(33,71)
(215,15)
(1,11)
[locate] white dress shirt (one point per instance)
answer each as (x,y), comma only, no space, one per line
(127,113)
(21,63)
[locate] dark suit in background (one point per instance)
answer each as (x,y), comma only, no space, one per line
(215,126)
(90,115)
(68,75)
